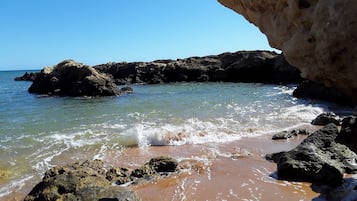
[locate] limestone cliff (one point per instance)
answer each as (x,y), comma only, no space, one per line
(317,36)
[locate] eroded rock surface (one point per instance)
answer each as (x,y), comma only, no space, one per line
(90,181)
(317,36)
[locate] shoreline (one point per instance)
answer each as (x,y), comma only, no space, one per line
(235,170)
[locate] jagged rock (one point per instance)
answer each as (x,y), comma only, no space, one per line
(326,118)
(319,37)
(242,66)
(314,90)
(70,78)
(348,134)
(76,181)
(317,159)
(27,77)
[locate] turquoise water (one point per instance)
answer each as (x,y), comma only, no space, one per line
(34,129)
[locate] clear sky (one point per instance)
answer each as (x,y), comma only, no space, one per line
(39,33)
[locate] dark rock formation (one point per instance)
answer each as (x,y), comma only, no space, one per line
(127,90)
(242,66)
(70,78)
(27,77)
(84,181)
(289,134)
(326,118)
(317,159)
(314,90)
(89,181)
(348,134)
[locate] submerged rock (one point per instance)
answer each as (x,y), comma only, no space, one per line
(70,78)
(317,159)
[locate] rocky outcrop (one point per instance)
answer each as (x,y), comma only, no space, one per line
(70,78)
(242,66)
(27,77)
(314,90)
(76,181)
(90,181)
(319,158)
(326,118)
(319,37)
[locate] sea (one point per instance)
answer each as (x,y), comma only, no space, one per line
(38,132)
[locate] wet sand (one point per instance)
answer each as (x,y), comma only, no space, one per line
(228,171)
(232,171)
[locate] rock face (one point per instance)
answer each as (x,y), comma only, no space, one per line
(319,37)
(70,78)
(319,158)
(90,181)
(242,66)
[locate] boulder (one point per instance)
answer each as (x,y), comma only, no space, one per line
(318,159)
(319,37)
(70,78)
(326,118)
(76,181)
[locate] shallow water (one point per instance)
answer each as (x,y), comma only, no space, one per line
(37,132)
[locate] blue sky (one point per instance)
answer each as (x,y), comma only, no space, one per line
(40,33)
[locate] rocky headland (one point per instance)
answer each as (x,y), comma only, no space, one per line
(241,66)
